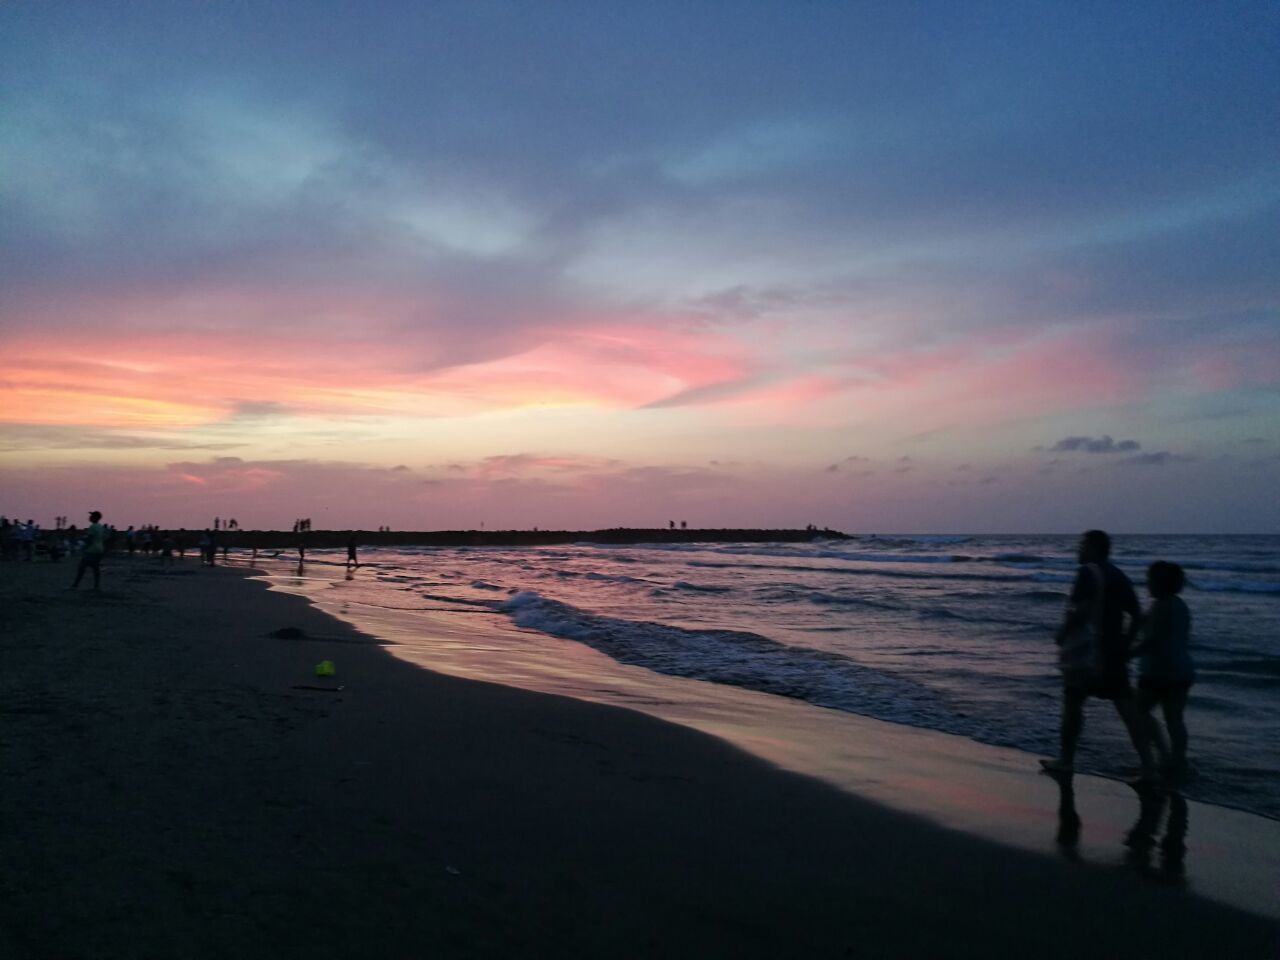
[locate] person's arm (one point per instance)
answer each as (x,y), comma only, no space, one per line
(1134,610)
(1155,628)
(1078,606)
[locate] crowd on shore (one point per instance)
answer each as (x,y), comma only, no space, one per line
(29,541)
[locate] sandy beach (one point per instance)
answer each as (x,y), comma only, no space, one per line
(173,786)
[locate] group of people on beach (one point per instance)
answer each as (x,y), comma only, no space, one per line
(1103,629)
(27,541)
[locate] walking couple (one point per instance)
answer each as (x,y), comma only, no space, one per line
(1103,628)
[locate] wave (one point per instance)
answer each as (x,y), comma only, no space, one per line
(1054,578)
(894,557)
(868,572)
(784,552)
(825,679)
(699,587)
(1234,586)
(945,613)
(611,577)
(1230,566)
(740,659)
(838,600)
(923,539)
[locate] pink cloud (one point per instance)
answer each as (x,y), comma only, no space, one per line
(1236,365)
(995,379)
(197,359)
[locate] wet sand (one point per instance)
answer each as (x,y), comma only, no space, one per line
(168,790)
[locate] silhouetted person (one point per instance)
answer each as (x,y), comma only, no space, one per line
(95,547)
(29,534)
(352,561)
(1165,670)
(1094,639)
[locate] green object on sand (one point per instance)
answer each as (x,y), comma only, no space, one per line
(324,668)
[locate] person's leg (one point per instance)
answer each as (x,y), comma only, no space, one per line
(1144,702)
(97,572)
(1173,705)
(1072,724)
(1137,734)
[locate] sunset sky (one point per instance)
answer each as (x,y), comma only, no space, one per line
(887,267)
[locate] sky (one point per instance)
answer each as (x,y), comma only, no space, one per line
(882,267)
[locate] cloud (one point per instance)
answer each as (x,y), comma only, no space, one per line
(1103,444)
(254,409)
(856,458)
(1158,458)
(528,464)
(34,437)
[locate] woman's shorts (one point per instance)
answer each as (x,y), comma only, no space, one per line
(1155,690)
(1111,685)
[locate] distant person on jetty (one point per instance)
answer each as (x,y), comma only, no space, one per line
(352,560)
(1101,622)
(95,546)
(1165,670)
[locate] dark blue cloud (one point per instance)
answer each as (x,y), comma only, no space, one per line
(1159,458)
(1103,444)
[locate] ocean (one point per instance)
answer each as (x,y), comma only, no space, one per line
(949,633)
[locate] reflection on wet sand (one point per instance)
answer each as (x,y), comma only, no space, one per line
(1153,802)
(1068,836)
(1141,838)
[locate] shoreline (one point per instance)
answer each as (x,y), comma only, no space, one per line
(995,792)
(180,796)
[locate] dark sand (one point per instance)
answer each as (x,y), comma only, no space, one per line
(165,791)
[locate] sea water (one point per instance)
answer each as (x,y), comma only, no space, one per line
(950,633)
